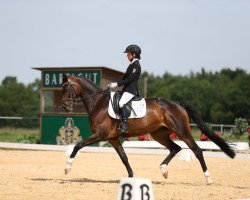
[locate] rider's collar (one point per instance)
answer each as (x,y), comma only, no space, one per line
(135,59)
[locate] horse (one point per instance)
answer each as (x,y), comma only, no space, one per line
(162,118)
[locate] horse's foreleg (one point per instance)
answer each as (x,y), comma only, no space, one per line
(91,140)
(119,149)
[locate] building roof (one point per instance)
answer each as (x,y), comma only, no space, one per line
(77,68)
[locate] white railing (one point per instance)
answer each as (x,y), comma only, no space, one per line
(224,129)
(205,145)
(9,117)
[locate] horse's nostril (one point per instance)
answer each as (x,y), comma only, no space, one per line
(64,109)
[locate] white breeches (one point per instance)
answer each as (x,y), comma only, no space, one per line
(126,97)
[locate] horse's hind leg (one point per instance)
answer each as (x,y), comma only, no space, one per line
(188,139)
(162,136)
(182,129)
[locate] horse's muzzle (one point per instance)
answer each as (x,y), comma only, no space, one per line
(67,108)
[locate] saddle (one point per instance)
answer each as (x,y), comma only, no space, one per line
(135,108)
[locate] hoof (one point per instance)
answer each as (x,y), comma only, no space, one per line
(68,165)
(209,181)
(131,175)
(165,175)
(164,171)
(67,170)
(208,177)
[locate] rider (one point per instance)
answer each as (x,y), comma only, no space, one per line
(129,82)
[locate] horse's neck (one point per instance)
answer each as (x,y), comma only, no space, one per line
(92,97)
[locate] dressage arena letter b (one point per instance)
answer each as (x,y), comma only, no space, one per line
(145,193)
(126,192)
(135,189)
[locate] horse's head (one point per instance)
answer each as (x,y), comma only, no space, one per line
(71,92)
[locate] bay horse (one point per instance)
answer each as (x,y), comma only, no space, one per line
(162,118)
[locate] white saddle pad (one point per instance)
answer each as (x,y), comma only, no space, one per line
(138,106)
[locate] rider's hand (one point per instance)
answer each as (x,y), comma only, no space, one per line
(112,85)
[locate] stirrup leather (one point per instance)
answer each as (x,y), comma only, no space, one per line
(123,127)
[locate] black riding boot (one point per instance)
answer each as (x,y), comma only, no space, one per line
(124,121)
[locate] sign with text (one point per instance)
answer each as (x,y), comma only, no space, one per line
(134,189)
(52,79)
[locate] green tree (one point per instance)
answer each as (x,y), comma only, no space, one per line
(240,127)
(16,99)
(219,97)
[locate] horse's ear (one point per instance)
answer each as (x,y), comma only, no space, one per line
(65,78)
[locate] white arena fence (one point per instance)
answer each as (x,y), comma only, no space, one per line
(20,122)
(205,145)
(131,147)
(17,118)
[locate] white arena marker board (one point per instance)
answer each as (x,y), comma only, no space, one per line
(187,155)
(134,189)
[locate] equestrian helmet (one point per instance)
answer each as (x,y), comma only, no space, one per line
(133,48)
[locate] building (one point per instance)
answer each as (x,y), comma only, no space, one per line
(56,126)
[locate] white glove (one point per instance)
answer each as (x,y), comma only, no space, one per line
(112,85)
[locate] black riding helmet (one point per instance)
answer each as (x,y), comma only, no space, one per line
(133,48)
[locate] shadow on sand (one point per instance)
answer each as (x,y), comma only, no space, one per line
(84,180)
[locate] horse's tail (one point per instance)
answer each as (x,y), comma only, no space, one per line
(209,133)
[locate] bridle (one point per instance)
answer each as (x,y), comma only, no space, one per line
(74,96)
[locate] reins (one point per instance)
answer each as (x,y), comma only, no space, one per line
(75,98)
(106,92)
